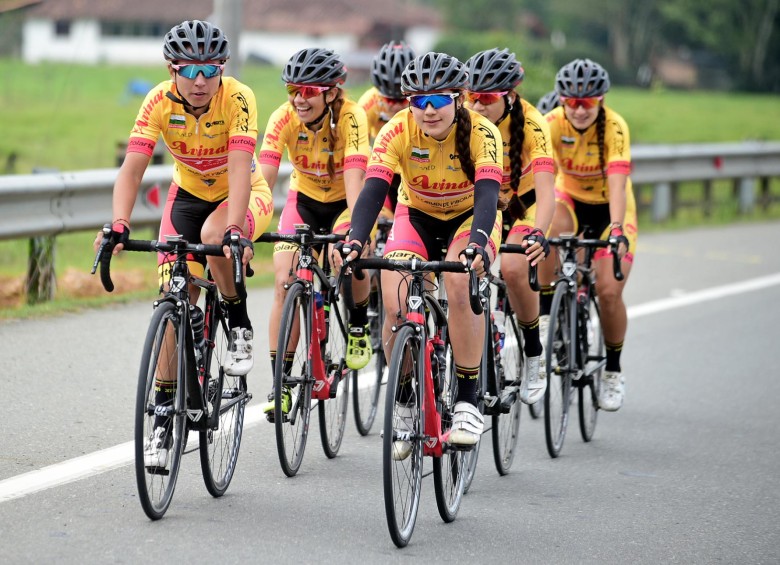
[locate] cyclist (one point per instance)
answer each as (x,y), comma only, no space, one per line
(208,122)
(382,101)
(594,197)
(527,190)
(450,164)
(548,102)
(326,138)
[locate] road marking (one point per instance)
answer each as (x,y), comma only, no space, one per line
(122,454)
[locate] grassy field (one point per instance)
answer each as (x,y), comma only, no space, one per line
(71,117)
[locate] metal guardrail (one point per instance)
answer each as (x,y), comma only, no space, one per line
(53,203)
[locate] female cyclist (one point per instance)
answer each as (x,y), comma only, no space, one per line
(527,190)
(326,138)
(594,197)
(450,164)
(209,124)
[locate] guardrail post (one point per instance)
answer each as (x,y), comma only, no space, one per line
(662,201)
(708,201)
(41,278)
(747,195)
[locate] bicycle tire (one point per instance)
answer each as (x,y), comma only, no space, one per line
(590,385)
(161,348)
(368,381)
(333,411)
(560,361)
(506,426)
(402,479)
(220,444)
(472,460)
(292,428)
(449,470)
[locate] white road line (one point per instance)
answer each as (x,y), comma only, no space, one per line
(120,455)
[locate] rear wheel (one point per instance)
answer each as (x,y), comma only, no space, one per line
(293,381)
(227,395)
(506,425)
(368,381)
(162,408)
(590,383)
(402,442)
(560,361)
(333,411)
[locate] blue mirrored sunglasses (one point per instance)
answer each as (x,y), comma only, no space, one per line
(191,71)
(421,101)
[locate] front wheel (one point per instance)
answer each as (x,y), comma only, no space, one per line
(368,380)
(402,442)
(561,361)
(333,411)
(227,395)
(159,413)
(590,384)
(293,380)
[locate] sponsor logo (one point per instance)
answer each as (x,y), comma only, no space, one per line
(420,155)
(194,415)
(177,121)
(215,123)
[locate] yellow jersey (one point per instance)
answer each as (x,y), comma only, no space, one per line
(308,151)
(577,155)
(200,146)
(432,180)
(376,118)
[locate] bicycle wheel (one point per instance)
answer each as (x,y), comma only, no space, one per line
(333,411)
(471,458)
(590,383)
(293,380)
(506,425)
(560,361)
(160,356)
(402,464)
(365,393)
(220,442)
(449,470)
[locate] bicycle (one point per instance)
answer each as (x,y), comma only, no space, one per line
(575,352)
(501,370)
(369,379)
(421,387)
(193,346)
(315,366)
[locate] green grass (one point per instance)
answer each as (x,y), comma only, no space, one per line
(71,117)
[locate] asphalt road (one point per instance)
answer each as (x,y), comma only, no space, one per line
(685,472)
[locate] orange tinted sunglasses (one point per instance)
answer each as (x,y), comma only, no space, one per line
(485,98)
(587,103)
(306,90)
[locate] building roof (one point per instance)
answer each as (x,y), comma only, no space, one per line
(302,16)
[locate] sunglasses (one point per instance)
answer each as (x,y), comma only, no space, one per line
(438,101)
(586,103)
(485,98)
(306,91)
(191,71)
(393,101)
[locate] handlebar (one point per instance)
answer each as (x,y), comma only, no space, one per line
(533,270)
(571,241)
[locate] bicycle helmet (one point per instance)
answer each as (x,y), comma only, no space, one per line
(315,65)
(387,66)
(548,102)
(582,78)
(196,40)
(494,70)
(433,72)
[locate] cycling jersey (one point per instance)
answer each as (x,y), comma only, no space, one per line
(376,118)
(577,155)
(536,154)
(431,178)
(200,146)
(308,150)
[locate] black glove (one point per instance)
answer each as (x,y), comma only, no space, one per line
(472,251)
(349,246)
(536,236)
(233,235)
(616,237)
(120,233)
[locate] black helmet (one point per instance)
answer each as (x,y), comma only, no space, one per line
(548,102)
(494,70)
(433,72)
(315,65)
(582,78)
(387,66)
(195,40)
